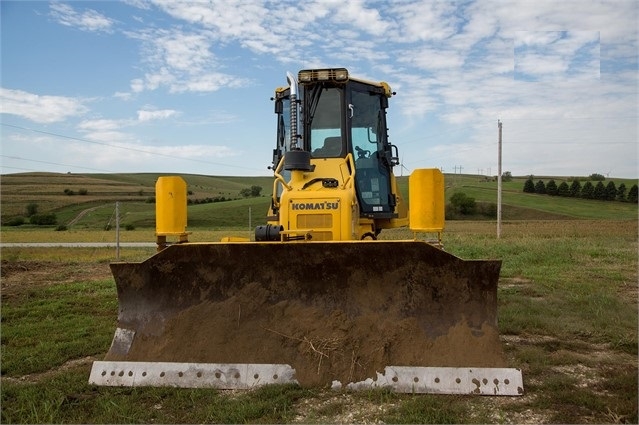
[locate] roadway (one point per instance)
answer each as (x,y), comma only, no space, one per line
(76,244)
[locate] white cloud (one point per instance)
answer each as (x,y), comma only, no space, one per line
(126,96)
(354,13)
(180,61)
(101,125)
(424,20)
(89,20)
(150,115)
(207,83)
(105,131)
(38,108)
(184,52)
(556,54)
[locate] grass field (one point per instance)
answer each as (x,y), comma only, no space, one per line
(96,209)
(567,314)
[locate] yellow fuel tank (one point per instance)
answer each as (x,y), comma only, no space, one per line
(426,200)
(170,206)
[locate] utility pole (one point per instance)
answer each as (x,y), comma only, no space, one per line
(499,182)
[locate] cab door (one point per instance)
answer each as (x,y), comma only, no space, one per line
(371,151)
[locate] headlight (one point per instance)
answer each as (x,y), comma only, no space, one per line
(305,76)
(329,74)
(341,74)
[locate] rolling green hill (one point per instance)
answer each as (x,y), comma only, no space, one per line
(88,200)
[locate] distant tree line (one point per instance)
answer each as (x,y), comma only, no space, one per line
(208,200)
(599,191)
(249,192)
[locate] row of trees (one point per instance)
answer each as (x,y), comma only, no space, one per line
(599,191)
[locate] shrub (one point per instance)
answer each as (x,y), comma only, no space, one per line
(43,219)
(563,189)
(599,192)
(253,191)
(463,204)
(596,177)
(16,221)
(129,227)
(632,194)
(83,192)
(611,191)
(69,192)
(621,193)
(587,191)
(487,209)
(575,189)
(32,208)
(60,228)
(529,186)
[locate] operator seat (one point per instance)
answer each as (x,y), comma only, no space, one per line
(332,148)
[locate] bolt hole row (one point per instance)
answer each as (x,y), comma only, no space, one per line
(457,380)
(218,375)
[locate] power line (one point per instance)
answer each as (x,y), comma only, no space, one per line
(79,139)
(20,168)
(54,163)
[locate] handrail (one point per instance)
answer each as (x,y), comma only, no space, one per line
(349,180)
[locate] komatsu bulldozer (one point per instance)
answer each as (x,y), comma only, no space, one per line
(317,298)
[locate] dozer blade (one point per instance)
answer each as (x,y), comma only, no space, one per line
(336,312)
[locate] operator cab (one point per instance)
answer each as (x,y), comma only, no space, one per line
(341,116)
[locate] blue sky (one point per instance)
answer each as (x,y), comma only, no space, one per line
(185,87)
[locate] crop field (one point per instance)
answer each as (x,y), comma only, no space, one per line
(567,316)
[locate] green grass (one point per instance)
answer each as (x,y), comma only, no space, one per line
(66,398)
(57,323)
(573,282)
(567,315)
(429,409)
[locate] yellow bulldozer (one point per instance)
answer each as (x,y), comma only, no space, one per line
(316,298)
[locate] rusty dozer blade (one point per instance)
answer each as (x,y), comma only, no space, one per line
(334,311)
